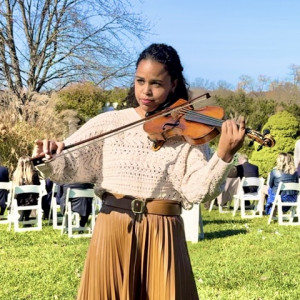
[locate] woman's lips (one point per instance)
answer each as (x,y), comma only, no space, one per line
(146,101)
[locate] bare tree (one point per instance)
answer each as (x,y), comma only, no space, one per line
(202,83)
(263,82)
(295,72)
(246,83)
(224,85)
(50,43)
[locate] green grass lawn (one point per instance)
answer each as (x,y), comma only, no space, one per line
(238,259)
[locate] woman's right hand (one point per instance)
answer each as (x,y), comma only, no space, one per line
(47,148)
(231,139)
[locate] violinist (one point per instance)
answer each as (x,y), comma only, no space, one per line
(138,248)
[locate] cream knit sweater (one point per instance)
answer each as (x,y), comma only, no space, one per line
(125,163)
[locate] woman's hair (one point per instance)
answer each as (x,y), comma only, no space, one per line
(285,163)
(24,171)
(168,56)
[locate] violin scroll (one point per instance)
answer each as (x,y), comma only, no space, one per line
(264,139)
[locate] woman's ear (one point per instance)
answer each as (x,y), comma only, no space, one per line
(174,85)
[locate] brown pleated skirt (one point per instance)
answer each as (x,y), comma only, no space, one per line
(137,260)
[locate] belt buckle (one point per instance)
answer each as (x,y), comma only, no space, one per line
(138,206)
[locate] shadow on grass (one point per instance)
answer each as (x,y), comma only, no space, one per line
(226,232)
(223,221)
(223,233)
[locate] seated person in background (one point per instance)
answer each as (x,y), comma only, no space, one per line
(83,206)
(26,175)
(245,169)
(283,172)
(4,177)
(46,199)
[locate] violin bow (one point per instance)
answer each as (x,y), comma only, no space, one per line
(40,159)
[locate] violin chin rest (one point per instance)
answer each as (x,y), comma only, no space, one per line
(157,145)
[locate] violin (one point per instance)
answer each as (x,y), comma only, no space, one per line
(180,119)
(196,126)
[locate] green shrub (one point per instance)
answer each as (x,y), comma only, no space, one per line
(256,111)
(284,128)
(86,99)
(117,97)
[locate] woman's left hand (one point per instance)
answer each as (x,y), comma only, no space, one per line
(231,139)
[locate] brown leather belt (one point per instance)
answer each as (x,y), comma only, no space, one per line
(143,206)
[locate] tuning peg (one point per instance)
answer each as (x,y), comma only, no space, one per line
(259,147)
(266,131)
(251,143)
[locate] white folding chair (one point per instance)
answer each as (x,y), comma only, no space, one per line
(43,185)
(192,220)
(35,222)
(211,205)
(222,208)
(6,186)
(55,215)
(256,199)
(292,216)
(97,204)
(224,200)
(70,222)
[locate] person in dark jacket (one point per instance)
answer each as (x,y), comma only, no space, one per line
(284,171)
(46,199)
(4,177)
(82,205)
(246,169)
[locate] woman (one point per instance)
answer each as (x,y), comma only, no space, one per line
(139,252)
(25,175)
(283,172)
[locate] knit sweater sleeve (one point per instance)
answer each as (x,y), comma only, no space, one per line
(72,166)
(197,175)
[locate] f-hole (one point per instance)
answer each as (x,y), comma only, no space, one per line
(171,125)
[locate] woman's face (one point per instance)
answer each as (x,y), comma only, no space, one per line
(152,84)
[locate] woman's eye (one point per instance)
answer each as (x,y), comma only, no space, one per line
(140,81)
(157,84)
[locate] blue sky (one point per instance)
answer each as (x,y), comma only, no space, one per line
(224,39)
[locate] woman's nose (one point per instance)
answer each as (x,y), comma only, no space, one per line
(147,89)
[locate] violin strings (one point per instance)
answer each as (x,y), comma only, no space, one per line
(203,118)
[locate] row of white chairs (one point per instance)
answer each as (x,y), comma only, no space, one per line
(292,217)
(67,222)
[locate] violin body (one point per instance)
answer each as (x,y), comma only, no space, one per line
(183,124)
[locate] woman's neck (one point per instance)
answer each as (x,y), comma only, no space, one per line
(140,111)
